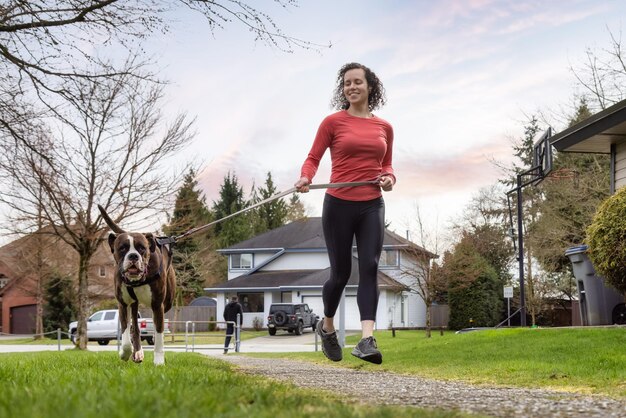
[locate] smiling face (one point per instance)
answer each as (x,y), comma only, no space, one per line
(355,87)
(132,254)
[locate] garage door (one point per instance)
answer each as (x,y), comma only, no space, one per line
(23,319)
(353,318)
(315,304)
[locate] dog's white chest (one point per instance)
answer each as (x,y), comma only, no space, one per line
(143,293)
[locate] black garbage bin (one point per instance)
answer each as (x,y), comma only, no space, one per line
(599,304)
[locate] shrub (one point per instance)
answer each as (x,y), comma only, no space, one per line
(59,307)
(606,237)
(212,325)
(257,323)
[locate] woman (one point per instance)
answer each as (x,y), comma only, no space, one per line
(360,149)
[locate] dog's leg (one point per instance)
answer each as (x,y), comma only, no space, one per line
(126,348)
(159,327)
(159,352)
(135,339)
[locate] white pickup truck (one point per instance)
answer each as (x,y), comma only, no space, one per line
(103,327)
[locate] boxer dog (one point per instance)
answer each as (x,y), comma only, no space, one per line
(144,275)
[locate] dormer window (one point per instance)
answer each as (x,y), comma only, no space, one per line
(389,259)
(241,261)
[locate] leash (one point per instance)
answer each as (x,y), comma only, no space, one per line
(174,239)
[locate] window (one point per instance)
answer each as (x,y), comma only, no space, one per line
(109,316)
(240,261)
(285,297)
(102,271)
(389,258)
(96,317)
(251,302)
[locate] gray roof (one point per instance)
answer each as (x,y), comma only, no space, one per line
(298,279)
(595,134)
(307,234)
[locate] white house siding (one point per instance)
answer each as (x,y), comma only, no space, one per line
(416,311)
(353,317)
(415,308)
(299,261)
(314,299)
(394,309)
(257,259)
(620,165)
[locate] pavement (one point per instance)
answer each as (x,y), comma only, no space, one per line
(282,342)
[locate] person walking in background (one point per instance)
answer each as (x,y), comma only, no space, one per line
(230,314)
(360,150)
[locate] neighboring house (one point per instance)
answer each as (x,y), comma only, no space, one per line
(602,133)
(19,274)
(290,265)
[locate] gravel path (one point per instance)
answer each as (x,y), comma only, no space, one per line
(391,388)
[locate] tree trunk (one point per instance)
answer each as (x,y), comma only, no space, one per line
(39,312)
(428,317)
(83,295)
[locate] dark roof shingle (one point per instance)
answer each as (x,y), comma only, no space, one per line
(306,234)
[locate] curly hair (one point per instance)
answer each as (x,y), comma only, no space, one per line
(376,97)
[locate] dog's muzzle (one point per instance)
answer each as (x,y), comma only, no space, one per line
(134,271)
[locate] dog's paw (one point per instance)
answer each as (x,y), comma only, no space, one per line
(159,359)
(125,352)
(138,356)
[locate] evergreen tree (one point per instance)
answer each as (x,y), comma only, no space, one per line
(295,209)
(190,209)
(59,298)
(474,289)
(189,212)
(231,200)
(273,214)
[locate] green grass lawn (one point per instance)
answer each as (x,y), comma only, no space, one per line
(97,384)
(580,360)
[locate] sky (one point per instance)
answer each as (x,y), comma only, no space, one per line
(461,77)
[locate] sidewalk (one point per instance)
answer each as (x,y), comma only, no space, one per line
(279,343)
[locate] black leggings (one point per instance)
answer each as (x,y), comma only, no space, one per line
(342,220)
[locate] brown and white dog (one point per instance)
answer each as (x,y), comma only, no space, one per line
(144,275)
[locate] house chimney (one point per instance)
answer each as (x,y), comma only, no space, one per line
(407,235)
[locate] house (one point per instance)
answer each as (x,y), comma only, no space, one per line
(20,269)
(602,133)
(290,264)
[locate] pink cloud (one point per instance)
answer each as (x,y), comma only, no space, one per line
(436,175)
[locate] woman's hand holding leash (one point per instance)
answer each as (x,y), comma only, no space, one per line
(386,183)
(302,185)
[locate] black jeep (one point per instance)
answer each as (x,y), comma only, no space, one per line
(293,317)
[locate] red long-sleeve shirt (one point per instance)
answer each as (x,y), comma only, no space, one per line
(360,150)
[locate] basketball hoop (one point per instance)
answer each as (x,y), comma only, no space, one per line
(542,157)
(541,168)
(562,174)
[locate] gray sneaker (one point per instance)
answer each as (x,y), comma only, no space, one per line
(330,345)
(367,350)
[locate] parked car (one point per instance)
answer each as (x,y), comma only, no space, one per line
(293,317)
(103,327)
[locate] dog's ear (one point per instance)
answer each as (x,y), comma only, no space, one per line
(152,241)
(112,238)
